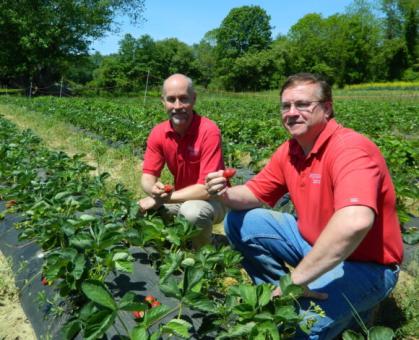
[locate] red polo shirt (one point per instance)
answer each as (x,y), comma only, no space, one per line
(189,158)
(343,169)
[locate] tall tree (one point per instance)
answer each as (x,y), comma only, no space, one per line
(205,57)
(244,29)
(39,39)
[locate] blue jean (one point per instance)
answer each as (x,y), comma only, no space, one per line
(268,239)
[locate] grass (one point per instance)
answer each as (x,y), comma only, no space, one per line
(121,163)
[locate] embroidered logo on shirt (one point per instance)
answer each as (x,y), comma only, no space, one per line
(354,200)
(192,151)
(315,178)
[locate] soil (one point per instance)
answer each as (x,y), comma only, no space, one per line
(14,324)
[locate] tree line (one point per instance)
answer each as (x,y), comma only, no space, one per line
(370,41)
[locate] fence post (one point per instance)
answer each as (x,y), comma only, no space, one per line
(30,90)
(61,87)
(146,86)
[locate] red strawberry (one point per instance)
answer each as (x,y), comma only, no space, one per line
(150,299)
(229,172)
(44,281)
(138,314)
(168,188)
(155,304)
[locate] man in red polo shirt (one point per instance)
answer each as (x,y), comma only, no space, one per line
(190,145)
(346,242)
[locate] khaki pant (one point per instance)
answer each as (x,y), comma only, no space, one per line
(202,214)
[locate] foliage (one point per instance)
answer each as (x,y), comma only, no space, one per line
(244,29)
(40,38)
(86,231)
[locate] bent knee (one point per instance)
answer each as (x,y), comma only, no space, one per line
(197,212)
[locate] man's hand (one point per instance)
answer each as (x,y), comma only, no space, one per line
(148,203)
(216,183)
(161,192)
(307,293)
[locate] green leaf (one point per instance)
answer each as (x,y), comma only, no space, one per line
(237,330)
(285,313)
(82,240)
(124,266)
(155,314)
(380,333)
(87,310)
(264,316)
(288,288)
(87,218)
(248,294)
(264,294)
(244,310)
(97,292)
(193,275)
(200,302)
(178,327)
(173,237)
(79,265)
(171,263)
(129,303)
(266,329)
(139,333)
(98,324)
(61,195)
(71,329)
(170,288)
(351,335)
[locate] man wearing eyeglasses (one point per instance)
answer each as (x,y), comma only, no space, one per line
(345,245)
(190,146)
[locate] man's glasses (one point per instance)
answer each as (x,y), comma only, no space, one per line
(300,105)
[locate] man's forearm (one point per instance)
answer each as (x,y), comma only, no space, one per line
(239,198)
(342,235)
(147,183)
(192,192)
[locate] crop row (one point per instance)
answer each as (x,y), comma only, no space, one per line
(250,127)
(87,232)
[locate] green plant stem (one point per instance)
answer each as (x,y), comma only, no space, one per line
(180,311)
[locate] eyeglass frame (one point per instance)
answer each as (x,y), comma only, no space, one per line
(295,103)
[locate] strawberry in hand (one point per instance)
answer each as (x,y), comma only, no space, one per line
(229,172)
(168,188)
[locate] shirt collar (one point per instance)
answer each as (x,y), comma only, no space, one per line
(297,151)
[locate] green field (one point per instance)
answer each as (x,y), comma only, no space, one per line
(53,204)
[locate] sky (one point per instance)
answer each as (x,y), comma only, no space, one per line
(189,20)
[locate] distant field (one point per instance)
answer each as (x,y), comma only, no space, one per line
(250,123)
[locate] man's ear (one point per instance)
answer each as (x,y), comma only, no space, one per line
(328,106)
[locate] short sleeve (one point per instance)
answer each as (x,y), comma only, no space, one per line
(269,184)
(153,157)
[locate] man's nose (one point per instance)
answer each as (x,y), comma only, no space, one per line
(177,104)
(291,112)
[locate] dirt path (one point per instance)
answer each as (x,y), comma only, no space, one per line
(14,324)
